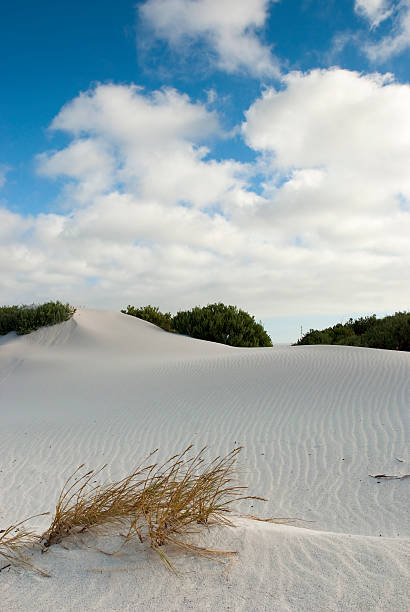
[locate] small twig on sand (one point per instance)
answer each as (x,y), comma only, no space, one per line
(389,476)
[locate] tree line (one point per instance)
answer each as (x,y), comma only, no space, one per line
(390,332)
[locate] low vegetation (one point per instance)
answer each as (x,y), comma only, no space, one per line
(220,323)
(214,322)
(152,314)
(157,503)
(391,332)
(25,319)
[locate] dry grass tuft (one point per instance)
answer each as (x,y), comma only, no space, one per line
(14,540)
(82,504)
(159,503)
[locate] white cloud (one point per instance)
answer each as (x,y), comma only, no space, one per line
(339,140)
(346,124)
(172,226)
(84,160)
(125,114)
(12,226)
(122,136)
(375,11)
(228,26)
(395,42)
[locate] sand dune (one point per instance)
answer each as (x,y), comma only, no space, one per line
(314,422)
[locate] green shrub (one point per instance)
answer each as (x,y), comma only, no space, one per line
(151,314)
(25,319)
(8,319)
(220,323)
(391,332)
(215,322)
(314,336)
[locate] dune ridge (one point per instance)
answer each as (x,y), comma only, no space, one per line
(314,421)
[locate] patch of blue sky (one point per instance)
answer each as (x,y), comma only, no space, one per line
(185,204)
(321,33)
(27,194)
(399,66)
(298,241)
(52,54)
(231,148)
(215,210)
(26,191)
(56,54)
(92,281)
(256,184)
(266,182)
(404,203)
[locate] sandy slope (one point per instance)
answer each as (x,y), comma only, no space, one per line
(314,422)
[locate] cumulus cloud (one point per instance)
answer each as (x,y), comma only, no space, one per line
(338,121)
(124,137)
(229,27)
(336,143)
(398,39)
(124,113)
(85,161)
(171,225)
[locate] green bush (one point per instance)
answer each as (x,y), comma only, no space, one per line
(220,323)
(151,314)
(8,319)
(314,336)
(215,322)
(25,319)
(362,324)
(391,332)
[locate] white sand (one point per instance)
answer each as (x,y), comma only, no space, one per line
(314,422)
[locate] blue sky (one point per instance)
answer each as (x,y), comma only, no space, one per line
(180,152)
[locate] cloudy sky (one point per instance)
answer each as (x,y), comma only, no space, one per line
(182,152)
